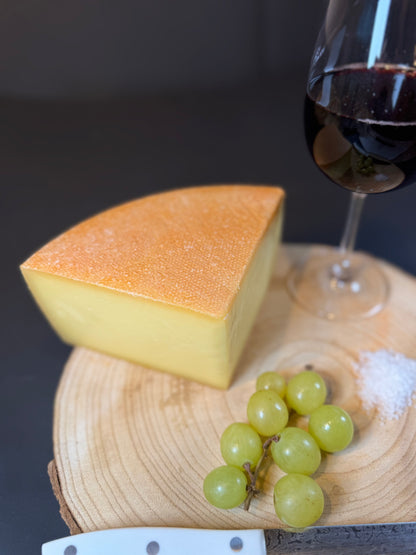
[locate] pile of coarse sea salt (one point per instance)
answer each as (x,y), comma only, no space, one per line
(386,381)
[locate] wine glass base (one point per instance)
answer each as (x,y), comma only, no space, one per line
(336,287)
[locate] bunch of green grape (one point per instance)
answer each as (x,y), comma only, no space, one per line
(298,499)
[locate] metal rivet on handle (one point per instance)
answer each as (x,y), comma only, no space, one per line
(70,550)
(152,548)
(236,544)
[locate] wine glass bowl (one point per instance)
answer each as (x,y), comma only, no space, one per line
(362,135)
(360,128)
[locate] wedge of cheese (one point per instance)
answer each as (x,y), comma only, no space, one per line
(172,281)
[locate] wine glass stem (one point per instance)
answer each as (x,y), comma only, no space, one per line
(351,227)
(343,272)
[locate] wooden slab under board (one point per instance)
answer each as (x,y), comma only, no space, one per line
(132,445)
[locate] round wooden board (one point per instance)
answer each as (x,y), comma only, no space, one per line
(132,445)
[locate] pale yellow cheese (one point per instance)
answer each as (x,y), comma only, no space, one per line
(172,281)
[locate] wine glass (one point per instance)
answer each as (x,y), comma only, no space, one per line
(360,127)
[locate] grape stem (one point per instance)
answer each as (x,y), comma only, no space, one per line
(251,487)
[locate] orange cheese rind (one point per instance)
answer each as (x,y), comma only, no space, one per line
(189,247)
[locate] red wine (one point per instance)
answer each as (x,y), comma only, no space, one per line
(360,127)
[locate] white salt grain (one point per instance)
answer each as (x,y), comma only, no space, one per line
(386,382)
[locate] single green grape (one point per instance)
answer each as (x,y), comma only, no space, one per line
(306,392)
(296,452)
(298,500)
(332,428)
(225,487)
(271,380)
(267,412)
(241,444)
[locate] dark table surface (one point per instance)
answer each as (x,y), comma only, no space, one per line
(62,161)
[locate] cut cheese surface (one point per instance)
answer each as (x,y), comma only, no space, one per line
(172,281)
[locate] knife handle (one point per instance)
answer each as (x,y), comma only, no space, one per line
(160,541)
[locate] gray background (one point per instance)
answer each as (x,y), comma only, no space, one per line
(101,102)
(57,49)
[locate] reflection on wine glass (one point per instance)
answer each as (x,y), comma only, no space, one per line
(360,126)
